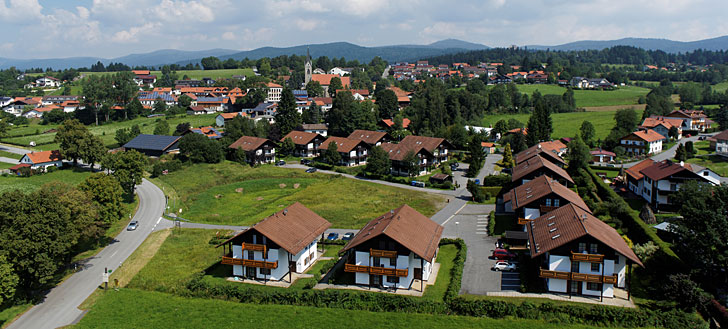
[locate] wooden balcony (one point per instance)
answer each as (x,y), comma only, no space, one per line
(375,270)
(226,260)
(524,221)
(255,247)
(546,274)
(590,258)
(382,253)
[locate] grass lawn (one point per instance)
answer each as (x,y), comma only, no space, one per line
(8,314)
(5,165)
(566,124)
(445,257)
(721,87)
(626,95)
(702,147)
(714,162)
(332,250)
(106,132)
(28,184)
(229,193)
(10,155)
(130,308)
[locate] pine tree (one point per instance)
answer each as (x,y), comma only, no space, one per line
(287,116)
(681,154)
(508,157)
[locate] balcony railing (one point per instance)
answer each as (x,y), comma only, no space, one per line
(255,247)
(375,270)
(227,260)
(573,276)
(546,209)
(382,253)
(591,258)
(524,221)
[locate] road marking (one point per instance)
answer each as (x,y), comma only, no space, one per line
(481,225)
(112,255)
(453,215)
(481,232)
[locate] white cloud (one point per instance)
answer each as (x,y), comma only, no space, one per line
(184,11)
(20,11)
(228,36)
(307,24)
(132,34)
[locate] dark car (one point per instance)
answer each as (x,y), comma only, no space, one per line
(132,225)
(306,162)
(348,236)
(503,254)
(280,163)
(311,170)
(332,236)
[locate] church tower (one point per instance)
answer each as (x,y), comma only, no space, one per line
(308,67)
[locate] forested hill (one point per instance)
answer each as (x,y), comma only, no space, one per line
(613,55)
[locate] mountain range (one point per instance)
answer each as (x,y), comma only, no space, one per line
(351,51)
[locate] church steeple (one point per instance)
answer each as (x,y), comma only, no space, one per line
(308,67)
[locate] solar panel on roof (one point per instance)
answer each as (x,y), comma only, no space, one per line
(151,142)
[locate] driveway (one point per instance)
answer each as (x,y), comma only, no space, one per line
(669,153)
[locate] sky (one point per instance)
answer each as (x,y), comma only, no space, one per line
(114,28)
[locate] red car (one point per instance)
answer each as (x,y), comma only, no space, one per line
(502,254)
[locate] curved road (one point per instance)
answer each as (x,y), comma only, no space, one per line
(60,307)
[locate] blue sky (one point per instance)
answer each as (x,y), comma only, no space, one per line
(113,28)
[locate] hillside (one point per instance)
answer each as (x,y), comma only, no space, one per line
(670,46)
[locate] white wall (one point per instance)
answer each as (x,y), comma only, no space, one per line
(361,258)
(621,270)
(561,264)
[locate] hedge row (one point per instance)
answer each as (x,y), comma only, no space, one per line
(639,231)
(456,273)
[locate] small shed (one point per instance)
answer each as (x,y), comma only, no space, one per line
(440,178)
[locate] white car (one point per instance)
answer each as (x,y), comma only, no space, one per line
(504,266)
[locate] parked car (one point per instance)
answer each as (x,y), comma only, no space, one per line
(702,138)
(311,170)
(132,225)
(280,163)
(477,181)
(504,266)
(688,135)
(306,162)
(418,184)
(348,236)
(503,254)
(332,236)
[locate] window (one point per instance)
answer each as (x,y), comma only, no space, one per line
(392,279)
(574,286)
(705,173)
(265,271)
(593,248)
(595,267)
(556,202)
(575,267)
(592,286)
(548,202)
(305,261)
(582,246)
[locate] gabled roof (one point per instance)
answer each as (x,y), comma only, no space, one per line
(405,225)
(648,135)
(554,146)
(486,144)
(665,168)
(602,152)
(300,137)
(314,126)
(412,142)
(655,121)
(249,143)
(635,171)
(535,163)
(390,122)
(292,228)
(152,142)
(723,135)
(227,116)
(368,136)
(571,223)
(537,150)
(44,156)
(342,144)
(325,79)
(397,152)
(540,187)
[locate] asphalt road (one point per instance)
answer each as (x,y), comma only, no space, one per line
(667,154)
(13,149)
(60,307)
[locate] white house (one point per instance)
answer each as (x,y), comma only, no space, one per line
(339,71)
(642,142)
(582,255)
(280,244)
(306,143)
(394,250)
(42,160)
(47,82)
(316,128)
(721,143)
(274,93)
(706,173)
(663,179)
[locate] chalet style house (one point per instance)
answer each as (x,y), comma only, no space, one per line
(662,125)
(279,245)
(691,119)
(373,138)
(430,153)
(539,196)
(353,152)
(661,180)
(580,254)
(537,166)
(538,150)
(642,142)
(257,150)
(721,143)
(306,143)
(393,250)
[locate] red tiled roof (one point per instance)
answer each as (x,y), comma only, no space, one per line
(655,121)
(539,150)
(390,123)
(648,136)
(635,171)
(44,156)
(723,135)
(486,144)
(325,79)
(665,168)
(602,152)
(368,136)
(414,231)
(301,137)
(249,143)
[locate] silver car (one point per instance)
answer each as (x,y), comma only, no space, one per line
(132,225)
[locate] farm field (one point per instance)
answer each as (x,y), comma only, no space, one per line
(721,87)
(107,132)
(131,308)
(232,194)
(566,124)
(32,183)
(626,95)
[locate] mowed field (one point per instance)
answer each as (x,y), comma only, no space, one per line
(626,95)
(566,124)
(232,194)
(131,308)
(32,183)
(107,132)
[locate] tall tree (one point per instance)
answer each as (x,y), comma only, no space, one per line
(587,133)
(579,155)
(378,163)
(334,85)
(95,90)
(411,164)
(387,104)
(508,157)
(287,116)
(314,89)
(107,194)
(72,136)
(8,280)
(127,167)
(680,153)
(199,148)
(332,155)
(92,149)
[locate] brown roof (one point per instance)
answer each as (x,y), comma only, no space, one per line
(721,136)
(538,188)
(44,156)
(405,225)
(570,223)
(397,152)
(648,135)
(231,115)
(314,126)
(665,168)
(655,121)
(300,137)
(292,228)
(535,150)
(368,136)
(526,167)
(440,176)
(343,144)
(556,145)
(249,143)
(634,171)
(413,142)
